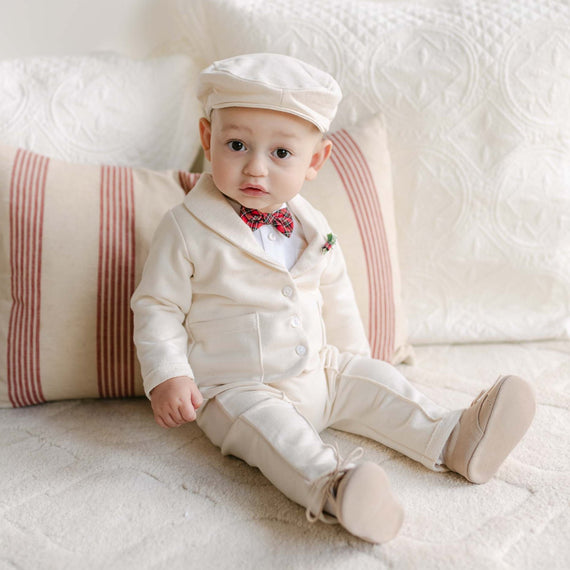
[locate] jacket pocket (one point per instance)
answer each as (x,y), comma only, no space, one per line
(226,350)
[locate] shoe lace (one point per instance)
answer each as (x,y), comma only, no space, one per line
(329,481)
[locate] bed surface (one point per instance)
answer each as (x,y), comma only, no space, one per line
(97,484)
(93,484)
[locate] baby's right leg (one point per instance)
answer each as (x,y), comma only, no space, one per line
(256,424)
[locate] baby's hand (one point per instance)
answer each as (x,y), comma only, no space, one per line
(175,401)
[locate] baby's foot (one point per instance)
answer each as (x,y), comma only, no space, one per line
(490,428)
(365,506)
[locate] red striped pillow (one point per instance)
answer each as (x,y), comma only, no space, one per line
(354,191)
(74,239)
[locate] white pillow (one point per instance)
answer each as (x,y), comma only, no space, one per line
(102,108)
(475,97)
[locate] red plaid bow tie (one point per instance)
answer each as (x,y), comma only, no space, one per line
(281,219)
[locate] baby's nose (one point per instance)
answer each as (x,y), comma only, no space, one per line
(255,166)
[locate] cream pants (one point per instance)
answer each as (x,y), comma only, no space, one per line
(276,427)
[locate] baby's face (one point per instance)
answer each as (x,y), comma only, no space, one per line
(260,157)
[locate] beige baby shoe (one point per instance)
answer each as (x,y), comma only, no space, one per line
(490,428)
(358,497)
(365,505)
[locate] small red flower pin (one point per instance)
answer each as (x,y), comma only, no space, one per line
(331,240)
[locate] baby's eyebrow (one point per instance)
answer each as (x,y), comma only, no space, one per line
(286,135)
(233,127)
(277,134)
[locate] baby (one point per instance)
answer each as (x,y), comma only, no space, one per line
(246,321)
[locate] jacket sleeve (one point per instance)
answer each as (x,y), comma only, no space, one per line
(160,305)
(343,324)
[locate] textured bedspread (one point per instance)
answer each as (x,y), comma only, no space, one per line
(96,484)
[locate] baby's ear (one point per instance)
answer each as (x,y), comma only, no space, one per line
(319,158)
(206,136)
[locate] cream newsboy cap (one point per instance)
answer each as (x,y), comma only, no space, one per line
(270,81)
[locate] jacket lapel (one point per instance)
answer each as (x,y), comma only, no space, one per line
(212,208)
(312,255)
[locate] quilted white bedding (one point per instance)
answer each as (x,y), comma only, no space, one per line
(474,98)
(96,484)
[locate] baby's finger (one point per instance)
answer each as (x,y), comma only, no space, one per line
(160,421)
(170,420)
(176,415)
(187,412)
(197,400)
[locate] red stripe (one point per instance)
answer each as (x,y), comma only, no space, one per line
(27,199)
(352,168)
(386,330)
(385,289)
(100,265)
(14,369)
(38,249)
(102,314)
(387,307)
(131,287)
(36,231)
(110,280)
(188,180)
(113,244)
(345,168)
(20,362)
(116,280)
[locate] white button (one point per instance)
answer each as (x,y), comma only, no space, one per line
(287,291)
(272,236)
(301,350)
(295,322)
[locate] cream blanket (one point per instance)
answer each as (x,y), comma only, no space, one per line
(96,484)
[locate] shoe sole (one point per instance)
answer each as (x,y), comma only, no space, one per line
(510,418)
(368,509)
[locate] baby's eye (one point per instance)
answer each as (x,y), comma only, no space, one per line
(281,153)
(236,145)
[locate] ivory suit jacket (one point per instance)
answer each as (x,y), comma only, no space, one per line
(213,306)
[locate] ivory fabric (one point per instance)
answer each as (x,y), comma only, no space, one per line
(212,305)
(354,191)
(74,239)
(276,427)
(102,108)
(97,484)
(271,81)
(474,96)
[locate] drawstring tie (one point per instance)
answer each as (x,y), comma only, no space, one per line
(331,481)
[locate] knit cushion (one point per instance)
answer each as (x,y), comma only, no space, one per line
(102,108)
(475,98)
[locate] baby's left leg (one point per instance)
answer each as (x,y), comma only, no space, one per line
(372,398)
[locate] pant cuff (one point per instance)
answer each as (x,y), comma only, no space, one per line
(439,439)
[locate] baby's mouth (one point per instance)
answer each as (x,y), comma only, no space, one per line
(253,190)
